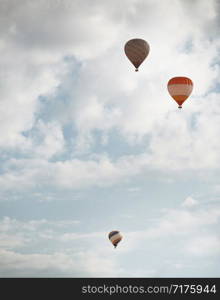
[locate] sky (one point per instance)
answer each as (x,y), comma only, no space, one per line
(88,145)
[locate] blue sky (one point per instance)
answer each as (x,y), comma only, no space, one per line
(88,146)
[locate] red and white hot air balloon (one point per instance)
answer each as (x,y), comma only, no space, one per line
(180,88)
(136,51)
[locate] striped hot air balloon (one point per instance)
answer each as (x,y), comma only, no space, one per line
(115,237)
(180,88)
(136,50)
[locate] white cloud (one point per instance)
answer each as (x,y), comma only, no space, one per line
(189,202)
(49,140)
(73,174)
(76,236)
(182,225)
(86,39)
(107,93)
(72,253)
(183,222)
(32,264)
(58,264)
(204,246)
(69,72)
(83,257)
(12,241)
(8,224)
(190,146)
(97,171)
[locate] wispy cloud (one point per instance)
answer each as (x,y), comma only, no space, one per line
(67,251)
(75,116)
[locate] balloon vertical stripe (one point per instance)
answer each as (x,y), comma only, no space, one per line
(115,237)
(136,50)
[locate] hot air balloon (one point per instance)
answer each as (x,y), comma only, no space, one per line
(180,88)
(136,50)
(115,237)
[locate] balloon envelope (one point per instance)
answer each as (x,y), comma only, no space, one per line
(115,237)
(180,88)
(137,50)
